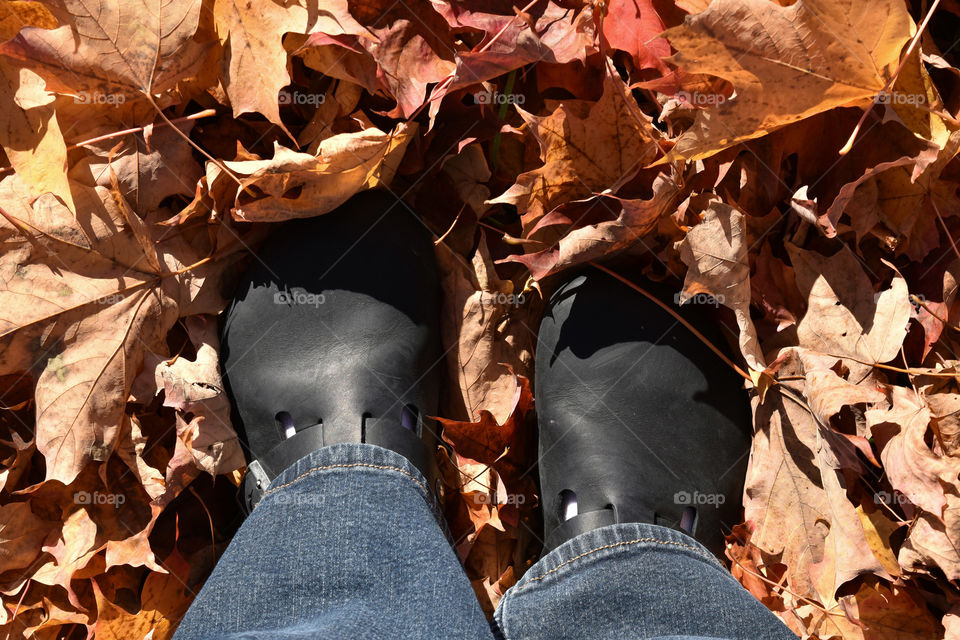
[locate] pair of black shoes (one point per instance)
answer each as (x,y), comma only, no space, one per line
(333,337)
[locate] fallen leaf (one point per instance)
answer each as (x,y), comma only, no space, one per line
(786,63)
(115,51)
(844,317)
(301,185)
(631,220)
(583,151)
(716,253)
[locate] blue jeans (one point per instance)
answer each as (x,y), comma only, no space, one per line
(348,543)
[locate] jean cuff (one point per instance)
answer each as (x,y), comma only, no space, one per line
(614,540)
(352,457)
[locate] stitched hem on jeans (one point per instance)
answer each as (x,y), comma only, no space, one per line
(384,467)
(610,546)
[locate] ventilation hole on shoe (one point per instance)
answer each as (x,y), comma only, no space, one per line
(409,417)
(568,505)
(688,520)
(285,423)
(613,508)
(363,425)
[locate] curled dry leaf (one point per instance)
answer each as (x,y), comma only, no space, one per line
(631,220)
(716,253)
(298,185)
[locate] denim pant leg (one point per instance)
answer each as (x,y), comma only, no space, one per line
(633,581)
(347,543)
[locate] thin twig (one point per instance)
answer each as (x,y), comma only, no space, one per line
(116,134)
(193,144)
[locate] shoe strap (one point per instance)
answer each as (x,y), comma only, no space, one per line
(389,434)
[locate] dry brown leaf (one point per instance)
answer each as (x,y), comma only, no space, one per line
(299,185)
(785,63)
(115,50)
(411,46)
(31,137)
(21,535)
(163,600)
(796,501)
(255,68)
(632,219)
(484,331)
(716,253)
(934,541)
(584,150)
(911,466)
(844,316)
(890,612)
(553,32)
(83,331)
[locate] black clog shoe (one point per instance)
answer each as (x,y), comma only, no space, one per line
(639,420)
(333,337)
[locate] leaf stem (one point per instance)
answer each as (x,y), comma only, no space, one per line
(116,134)
(677,316)
(903,61)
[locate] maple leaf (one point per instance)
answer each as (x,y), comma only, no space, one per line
(844,316)
(83,333)
(913,469)
(548,32)
(584,150)
(255,69)
(412,48)
(115,51)
(786,63)
(791,488)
